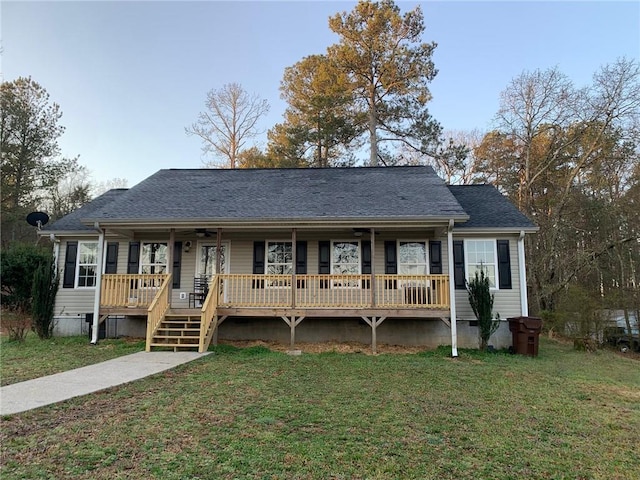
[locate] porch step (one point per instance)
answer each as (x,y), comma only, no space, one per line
(180,323)
(177,331)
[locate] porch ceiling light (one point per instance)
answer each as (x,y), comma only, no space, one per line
(358,232)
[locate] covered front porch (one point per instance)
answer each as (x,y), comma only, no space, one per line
(371,297)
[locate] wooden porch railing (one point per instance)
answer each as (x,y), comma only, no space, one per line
(128,290)
(209,315)
(276,291)
(334,291)
(157,310)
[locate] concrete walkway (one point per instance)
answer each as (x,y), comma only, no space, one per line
(24,396)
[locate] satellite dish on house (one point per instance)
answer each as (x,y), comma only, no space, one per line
(37,219)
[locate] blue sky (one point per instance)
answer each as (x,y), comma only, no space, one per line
(129,76)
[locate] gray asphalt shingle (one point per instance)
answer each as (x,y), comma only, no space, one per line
(298,194)
(71,222)
(253,195)
(488,208)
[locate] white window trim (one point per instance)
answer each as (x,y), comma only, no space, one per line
(147,242)
(426,250)
(359,243)
(494,243)
(402,285)
(77,272)
(286,283)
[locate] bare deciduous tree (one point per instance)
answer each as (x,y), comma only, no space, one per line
(229,121)
(565,156)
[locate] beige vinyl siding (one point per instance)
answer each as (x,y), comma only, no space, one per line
(507,301)
(187,272)
(72,301)
(123,254)
(240,256)
(242,247)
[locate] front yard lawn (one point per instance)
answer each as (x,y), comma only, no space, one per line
(256,414)
(33,358)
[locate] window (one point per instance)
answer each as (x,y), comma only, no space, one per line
(279,258)
(279,262)
(87,269)
(345,260)
(412,258)
(153,258)
(481,254)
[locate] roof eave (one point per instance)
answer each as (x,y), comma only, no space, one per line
(68,233)
(271,222)
(493,230)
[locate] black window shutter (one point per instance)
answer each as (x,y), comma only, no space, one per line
(390,263)
(301,258)
(69,277)
(134,257)
(390,258)
(177,264)
(324,258)
(111,263)
(258,258)
(324,261)
(366,262)
(366,257)
(435,257)
(258,263)
(458,265)
(504,265)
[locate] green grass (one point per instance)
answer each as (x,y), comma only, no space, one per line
(255,414)
(34,358)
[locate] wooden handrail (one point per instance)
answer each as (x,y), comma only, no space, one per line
(208,315)
(334,291)
(129,290)
(157,310)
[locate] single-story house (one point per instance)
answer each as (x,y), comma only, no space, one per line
(367,254)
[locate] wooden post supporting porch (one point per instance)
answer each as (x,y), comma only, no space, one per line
(294,263)
(373,267)
(374,323)
(214,337)
(170,254)
(218,247)
(293,322)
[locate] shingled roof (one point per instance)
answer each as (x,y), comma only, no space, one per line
(415,193)
(384,193)
(72,222)
(488,208)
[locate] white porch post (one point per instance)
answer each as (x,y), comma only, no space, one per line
(96,298)
(452,291)
(524,302)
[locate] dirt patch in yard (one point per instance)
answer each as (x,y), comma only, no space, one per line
(322,347)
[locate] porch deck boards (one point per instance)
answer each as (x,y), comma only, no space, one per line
(289,312)
(333,312)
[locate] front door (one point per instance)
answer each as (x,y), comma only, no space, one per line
(207,259)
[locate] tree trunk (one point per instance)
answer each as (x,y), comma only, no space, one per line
(373,157)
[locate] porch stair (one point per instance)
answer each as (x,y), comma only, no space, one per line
(178,331)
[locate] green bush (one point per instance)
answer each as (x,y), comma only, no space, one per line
(481,301)
(45,287)
(19,263)
(18,266)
